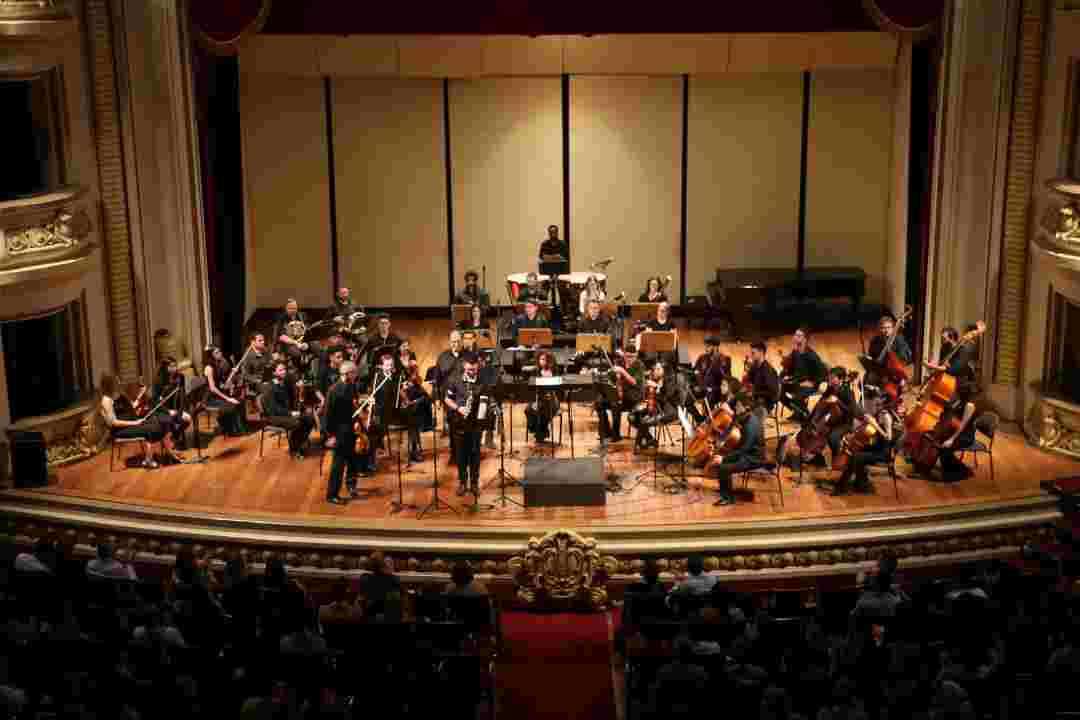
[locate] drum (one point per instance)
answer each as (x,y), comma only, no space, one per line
(516,282)
(571,285)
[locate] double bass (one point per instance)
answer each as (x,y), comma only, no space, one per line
(892,369)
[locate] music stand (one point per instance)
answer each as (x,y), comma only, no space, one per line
(657,341)
(400,425)
(643,311)
(535,337)
(500,393)
(197,391)
(461,313)
(554,265)
(592,342)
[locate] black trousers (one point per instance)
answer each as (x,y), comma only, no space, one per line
(173,425)
(538,418)
(793,396)
(725,470)
(230,417)
(857,467)
(468,457)
(375,436)
(610,419)
(344,466)
(299,428)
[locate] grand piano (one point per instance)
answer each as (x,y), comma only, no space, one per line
(734,291)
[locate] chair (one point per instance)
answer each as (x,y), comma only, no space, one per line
(275,431)
(890,467)
(117,443)
(767,471)
(986,425)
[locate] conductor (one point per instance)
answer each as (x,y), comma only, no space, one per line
(339,425)
(553,245)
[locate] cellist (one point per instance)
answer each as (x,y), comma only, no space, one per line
(873,413)
(838,394)
(749,455)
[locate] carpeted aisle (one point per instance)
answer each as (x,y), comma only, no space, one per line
(555,666)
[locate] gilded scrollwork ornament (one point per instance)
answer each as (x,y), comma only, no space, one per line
(67,230)
(562,570)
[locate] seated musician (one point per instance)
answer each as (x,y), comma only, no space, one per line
(280,402)
(417,406)
(230,411)
(961,412)
(538,414)
(591,292)
(593,321)
(712,371)
(476,322)
(145,429)
(838,393)
(256,369)
(654,291)
(472,293)
(762,378)
(531,318)
(949,338)
(382,339)
(463,386)
(329,371)
(382,386)
(629,380)
(874,413)
(803,372)
(288,332)
(750,453)
(661,323)
(342,308)
(172,417)
(886,330)
(668,400)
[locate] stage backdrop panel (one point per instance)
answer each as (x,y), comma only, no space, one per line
(743,136)
(506,160)
(849,172)
(625,178)
(390,170)
(286,190)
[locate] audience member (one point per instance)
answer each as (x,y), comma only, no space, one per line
(107,566)
(462,581)
(38,560)
(381,589)
(342,608)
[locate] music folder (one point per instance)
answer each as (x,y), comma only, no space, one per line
(585,342)
(535,337)
(643,311)
(461,313)
(657,341)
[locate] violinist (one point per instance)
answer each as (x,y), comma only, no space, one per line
(382,386)
(329,372)
(873,413)
(472,293)
(146,429)
(230,410)
(289,328)
(660,400)
(748,455)
(403,356)
(539,414)
(886,330)
(415,404)
(172,417)
(531,318)
(280,406)
(654,291)
(802,374)
(462,394)
(255,366)
(591,292)
(341,404)
(762,378)
(712,371)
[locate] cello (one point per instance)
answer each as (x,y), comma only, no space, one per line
(813,436)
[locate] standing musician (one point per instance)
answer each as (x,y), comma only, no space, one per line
(255,368)
(538,414)
(339,426)
(962,364)
(447,366)
(802,374)
(230,410)
(654,290)
(414,403)
(280,407)
(592,292)
(476,322)
(472,293)
(172,417)
(553,245)
(593,321)
(384,400)
(712,371)
(287,334)
(750,453)
(462,396)
(329,372)
(886,330)
(762,378)
(146,429)
(530,319)
(629,382)
(658,406)
(873,413)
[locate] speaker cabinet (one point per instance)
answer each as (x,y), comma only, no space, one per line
(564,482)
(29,465)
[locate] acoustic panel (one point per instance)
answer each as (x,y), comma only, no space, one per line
(506,144)
(744,135)
(625,178)
(849,172)
(390,172)
(286,189)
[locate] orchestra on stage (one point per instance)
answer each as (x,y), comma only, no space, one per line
(346,383)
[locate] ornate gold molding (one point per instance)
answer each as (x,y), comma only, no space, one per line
(1054,425)
(29,18)
(1023,136)
(66,230)
(562,570)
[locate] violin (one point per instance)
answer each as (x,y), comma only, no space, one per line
(133,401)
(361,422)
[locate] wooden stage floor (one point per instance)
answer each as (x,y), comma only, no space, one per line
(237,483)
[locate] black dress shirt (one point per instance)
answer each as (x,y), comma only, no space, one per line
(552,246)
(600,325)
(256,367)
(279,327)
(900,347)
(478,297)
(339,413)
(712,371)
(765,384)
(657,326)
(644,298)
(449,365)
(806,365)
(278,399)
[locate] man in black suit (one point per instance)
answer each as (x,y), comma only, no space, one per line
(339,424)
